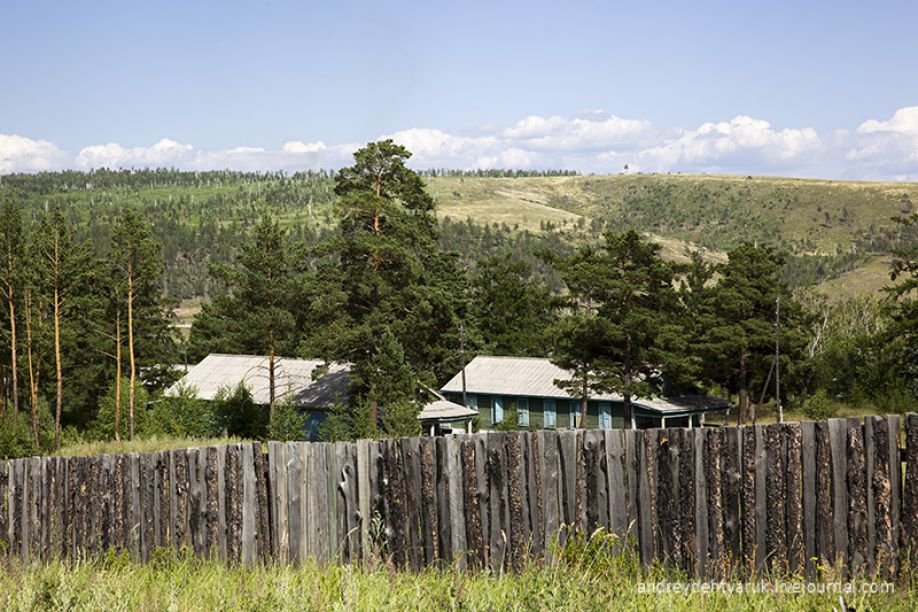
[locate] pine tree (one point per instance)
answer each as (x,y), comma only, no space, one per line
(11,250)
(138,268)
(263,298)
(632,332)
(383,281)
(905,304)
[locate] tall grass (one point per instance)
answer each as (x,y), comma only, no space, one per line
(585,577)
(139,445)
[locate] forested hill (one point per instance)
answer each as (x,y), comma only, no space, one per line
(838,234)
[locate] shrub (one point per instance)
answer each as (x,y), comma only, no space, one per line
(819,406)
(238,415)
(184,415)
(289,422)
(103,426)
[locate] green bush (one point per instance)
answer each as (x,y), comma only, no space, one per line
(15,436)
(289,422)
(238,415)
(819,406)
(103,426)
(183,415)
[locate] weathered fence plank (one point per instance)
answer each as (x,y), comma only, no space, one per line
(475,536)
(794,501)
(775,499)
(838,441)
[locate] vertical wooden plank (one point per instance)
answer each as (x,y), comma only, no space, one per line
(870,518)
(497,502)
(248,547)
(263,522)
(776,500)
(35,494)
(668,537)
(311,491)
(337,472)
(761,507)
(534,494)
(4,507)
(135,510)
(825,496)
(748,497)
(484,491)
(294,501)
(319,473)
(895,481)
(455,468)
(196,500)
(118,505)
(364,501)
(411,457)
(220,478)
(857,500)
(513,446)
(594,500)
(808,486)
(646,477)
(909,518)
(569,456)
(732,488)
(44,515)
(838,448)
(61,528)
(429,518)
(551,490)
(794,514)
(181,532)
(704,499)
(615,474)
(332,500)
(718,550)
(147,516)
(211,502)
(883,546)
(475,537)
(231,497)
(157,501)
(19,497)
(686,486)
(277,457)
(631,441)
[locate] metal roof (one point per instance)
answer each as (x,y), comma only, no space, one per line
(445,409)
(293,377)
(536,376)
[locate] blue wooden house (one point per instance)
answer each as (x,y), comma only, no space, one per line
(526,386)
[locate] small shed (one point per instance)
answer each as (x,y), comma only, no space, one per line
(441,415)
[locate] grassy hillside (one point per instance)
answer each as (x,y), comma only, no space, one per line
(838,233)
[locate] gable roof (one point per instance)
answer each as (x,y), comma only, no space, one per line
(536,376)
(292,377)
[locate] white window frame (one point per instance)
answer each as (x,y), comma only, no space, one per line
(549,407)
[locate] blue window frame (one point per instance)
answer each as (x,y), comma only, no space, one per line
(549,412)
(522,412)
(497,410)
(605,415)
(575,413)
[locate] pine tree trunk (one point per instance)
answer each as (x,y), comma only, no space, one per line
(33,383)
(271,389)
(13,365)
(58,369)
(118,375)
(628,416)
(743,415)
(130,322)
(585,402)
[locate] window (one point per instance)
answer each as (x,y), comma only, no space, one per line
(575,413)
(473,401)
(522,412)
(605,415)
(549,411)
(497,410)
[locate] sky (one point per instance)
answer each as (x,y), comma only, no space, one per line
(805,88)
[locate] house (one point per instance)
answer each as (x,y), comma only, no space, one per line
(526,385)
(296,379)
(443,416)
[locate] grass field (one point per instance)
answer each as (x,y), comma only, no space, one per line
(593,580)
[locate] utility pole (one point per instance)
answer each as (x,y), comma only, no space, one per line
(465,399)
(778,360)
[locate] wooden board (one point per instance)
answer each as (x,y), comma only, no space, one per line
(808,485)
(838,449)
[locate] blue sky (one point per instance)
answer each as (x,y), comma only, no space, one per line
(770,87)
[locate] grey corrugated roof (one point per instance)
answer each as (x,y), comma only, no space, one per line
(292,377)
(535,377)
(445,409)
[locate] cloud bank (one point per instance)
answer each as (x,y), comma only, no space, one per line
(600,142)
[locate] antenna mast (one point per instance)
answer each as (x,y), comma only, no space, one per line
(465,399)
(778,360)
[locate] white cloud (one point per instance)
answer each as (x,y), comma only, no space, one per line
(589,142)
(21,154)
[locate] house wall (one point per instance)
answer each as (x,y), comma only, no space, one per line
(564,408)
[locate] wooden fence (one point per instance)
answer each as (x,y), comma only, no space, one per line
(784,498)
